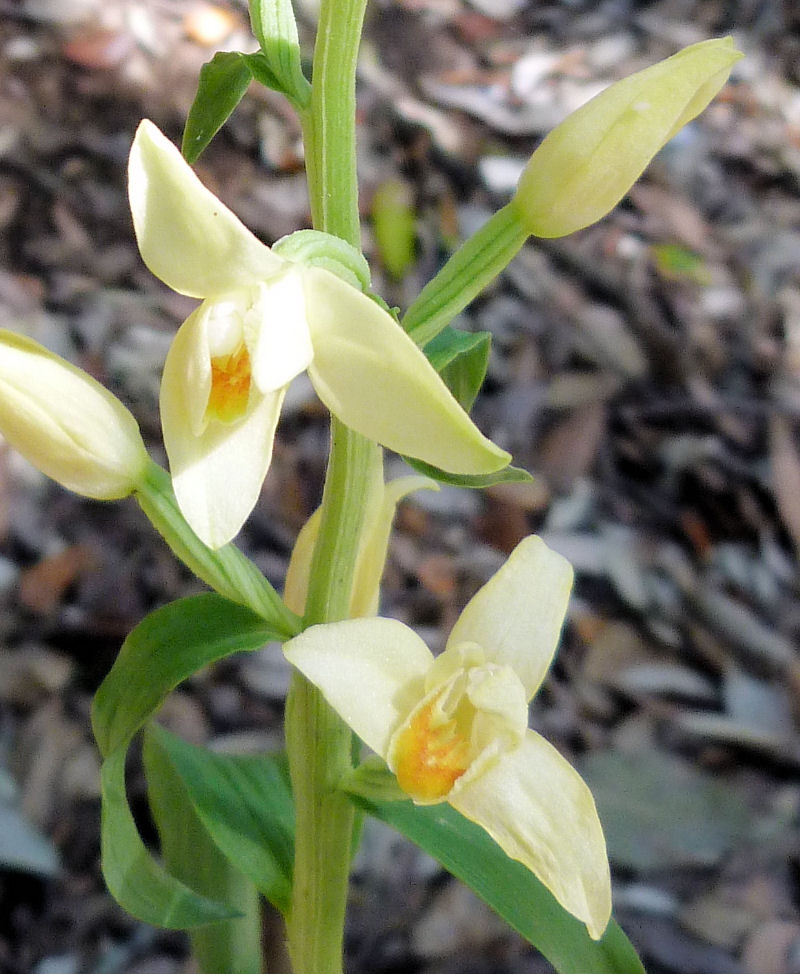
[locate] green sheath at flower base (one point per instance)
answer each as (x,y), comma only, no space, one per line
(455,728)
(66,424)
(589,162)
(380,505)
(263,320)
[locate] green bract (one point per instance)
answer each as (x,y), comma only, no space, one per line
(66,423)
(455,728)
(380,504)
(263,320)
(589,162)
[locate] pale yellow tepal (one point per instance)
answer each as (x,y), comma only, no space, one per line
(67,424)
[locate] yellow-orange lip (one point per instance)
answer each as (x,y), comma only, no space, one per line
(429,755)
(230,385)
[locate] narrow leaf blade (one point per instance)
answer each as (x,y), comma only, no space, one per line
(465,374)
(508,475)
(192,857)
(165,648)
(223,81)
(450,343)
(133,877)
(245,804)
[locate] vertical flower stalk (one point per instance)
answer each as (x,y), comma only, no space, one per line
(318,742)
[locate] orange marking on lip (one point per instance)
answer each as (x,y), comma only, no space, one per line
(430,756)
(230,385)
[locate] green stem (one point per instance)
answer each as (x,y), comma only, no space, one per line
(466,274)
(319,744)
(329,126)
(227,571)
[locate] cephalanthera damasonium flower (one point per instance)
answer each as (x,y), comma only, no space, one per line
(455,728)
(262,321)
(67,424)
(589,162)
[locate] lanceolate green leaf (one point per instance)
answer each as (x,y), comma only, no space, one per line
(165,648)
(450,343)
(245,804)
(223,82)
(133,877)
(461,358)
(508,475)
(465,850)
(229,947)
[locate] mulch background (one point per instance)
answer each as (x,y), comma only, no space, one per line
(647,370)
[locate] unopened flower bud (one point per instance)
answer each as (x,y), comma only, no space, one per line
(67,424)
(589,162)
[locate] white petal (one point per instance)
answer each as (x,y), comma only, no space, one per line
(187,237)
(217,475)
(282,344)
(370,671)
(539,811)
(516,617)
(372,376)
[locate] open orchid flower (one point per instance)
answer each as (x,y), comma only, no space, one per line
(263,320)
(455,728)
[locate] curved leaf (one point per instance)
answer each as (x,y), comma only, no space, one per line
(133,877)
(165,648)
(465,850)
(191,855)
(223,81)
(461,358)
(246,806)
(508,475)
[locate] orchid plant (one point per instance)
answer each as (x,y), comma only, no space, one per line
(454,764)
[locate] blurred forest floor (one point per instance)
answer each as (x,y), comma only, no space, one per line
(647,370)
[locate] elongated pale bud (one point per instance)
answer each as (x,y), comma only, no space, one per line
(67,424)
(589,162)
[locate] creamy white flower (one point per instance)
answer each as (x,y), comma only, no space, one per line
(263,320)
(589,162)
(455,728)
(66,423)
